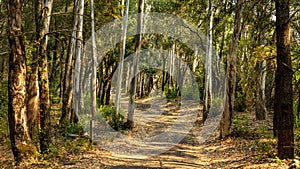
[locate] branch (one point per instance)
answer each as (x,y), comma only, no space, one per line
(291,17)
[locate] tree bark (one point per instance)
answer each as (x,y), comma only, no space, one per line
(208,61)
(68,76)
(94,71)
(78,53)
(17,118)
(260,102)
(33,85)
(138,36)
(283,107)
(225,127)
(45,137)
(121,55)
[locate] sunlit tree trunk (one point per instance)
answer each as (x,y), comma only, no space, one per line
(17,118)
(225,126)
(208,60)
(33,85)
(68,76)
(283,107)
(78,53)
(138,36)
(45,137)
(121,56)
(94,71)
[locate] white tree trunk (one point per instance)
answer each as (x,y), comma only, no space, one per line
(78,53)
(208,60)
(138,38)
(121,56)
(94,70)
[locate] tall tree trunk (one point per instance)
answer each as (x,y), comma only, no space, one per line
(55,59)
(225,127)
(283,107)
(17,118)
(138,37)
(122,54)
(68,76)
(208,60)
(260,102)
(94,71)
(45,137)
(78,53)
(33,85)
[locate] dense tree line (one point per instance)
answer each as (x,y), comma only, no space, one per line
(257,42)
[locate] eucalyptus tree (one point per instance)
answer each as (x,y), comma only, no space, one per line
(68,75)
(17,117)
(208,59)
(283,107)
(78,53)
(121,54)
(45,137)
(138,36)
(94,70)
(225,127)
(33,85)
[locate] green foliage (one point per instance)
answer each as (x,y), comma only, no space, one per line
(171,92)
(115,119)
(240,102)
(240,128)
(64,146)
(297,141)
(29,151)
(296,115)
(74,128)
(190,93)
(266,147)
(4,129)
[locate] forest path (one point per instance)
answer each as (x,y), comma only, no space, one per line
(234,152)
(187,154)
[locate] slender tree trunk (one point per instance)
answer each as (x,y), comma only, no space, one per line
(121,56)
(45,137)
(142,84)
(94,70)
(283,83)
(208,60)
(33,85)
(128,77)
(61,62)
(68,76)
(17,118)
(55,59)
(225,127)
(78,53)
(138,37)
(260,102)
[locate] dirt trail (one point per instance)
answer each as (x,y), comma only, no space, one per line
(155,116)
(187,154)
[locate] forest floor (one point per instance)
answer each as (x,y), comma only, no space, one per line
(250,146)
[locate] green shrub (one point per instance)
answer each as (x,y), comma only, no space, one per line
(115,119)
(240,128)
(171,92)
(189,93)
(240,102)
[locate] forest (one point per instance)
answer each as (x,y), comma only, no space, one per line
(150,84)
